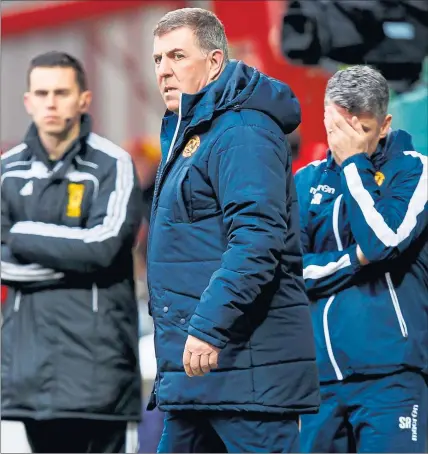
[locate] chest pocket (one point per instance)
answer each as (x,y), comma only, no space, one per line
(197,195)
(188,195)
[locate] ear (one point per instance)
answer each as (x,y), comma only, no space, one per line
(27,103)
(85,101)
(385,126)
(216,60)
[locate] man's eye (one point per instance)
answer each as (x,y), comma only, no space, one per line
(179,56)
(157,60)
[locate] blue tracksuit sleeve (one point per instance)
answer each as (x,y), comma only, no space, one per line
(329,272)
(249,173)
(384,224)
(113,222)
(325,273)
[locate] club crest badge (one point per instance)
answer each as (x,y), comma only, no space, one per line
(75,198)
(191,146)
(379,178)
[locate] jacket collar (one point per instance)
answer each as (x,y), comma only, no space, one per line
(32,139)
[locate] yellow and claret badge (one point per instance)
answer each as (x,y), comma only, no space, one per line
(191,146)
(75,197)
(379,178)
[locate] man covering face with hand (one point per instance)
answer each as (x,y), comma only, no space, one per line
(364,219)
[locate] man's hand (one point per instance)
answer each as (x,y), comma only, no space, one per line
(361,257)
(344,139)
(199,357)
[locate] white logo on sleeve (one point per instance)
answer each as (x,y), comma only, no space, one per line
(27,189)
(316,199)
(410,422)
(323,188)
(405,422)
(415,422)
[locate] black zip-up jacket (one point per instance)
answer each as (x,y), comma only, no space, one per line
(70,322)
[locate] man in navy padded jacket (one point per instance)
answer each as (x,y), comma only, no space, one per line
(364,223)
(233,334)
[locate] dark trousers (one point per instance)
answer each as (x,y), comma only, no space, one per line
(221,432)
(76,436)
(387,413)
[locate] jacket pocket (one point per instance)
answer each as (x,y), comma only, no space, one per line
(183,208)
(179,308)
(19,352)
(396,304)
(195,196)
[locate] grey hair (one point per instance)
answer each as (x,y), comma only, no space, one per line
(207,27)
(359,89)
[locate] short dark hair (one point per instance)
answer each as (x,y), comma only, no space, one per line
(359,89)
(207,27)
(59,59)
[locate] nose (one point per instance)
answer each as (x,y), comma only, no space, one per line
(51,101)
(165,69)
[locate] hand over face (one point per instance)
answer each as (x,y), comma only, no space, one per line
(345,139)
(199,357)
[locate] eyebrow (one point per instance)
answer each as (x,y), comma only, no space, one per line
(172,51)
(56,90)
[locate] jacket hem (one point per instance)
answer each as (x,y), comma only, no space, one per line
(17,415)
(373,372)
(241,408)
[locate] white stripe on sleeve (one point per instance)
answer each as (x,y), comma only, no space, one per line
(116,207)
(13,151)
(28,273)
(374,219)
(318,271)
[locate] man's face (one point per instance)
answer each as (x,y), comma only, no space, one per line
(374,129)
(54,100)
(181,66)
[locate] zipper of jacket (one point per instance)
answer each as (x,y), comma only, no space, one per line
(155,201)
(154,209)
(397,308)
(333,361)
(17,303)
(171,148)
(94,297)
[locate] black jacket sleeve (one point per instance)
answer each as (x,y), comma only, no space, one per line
(112,225)
(14,273)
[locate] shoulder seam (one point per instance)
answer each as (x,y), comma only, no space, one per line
(107,147)
(416,154)
(314,164)
(15,150)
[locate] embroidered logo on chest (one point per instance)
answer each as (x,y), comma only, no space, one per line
(379,178)
(191,146)
(75,197)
